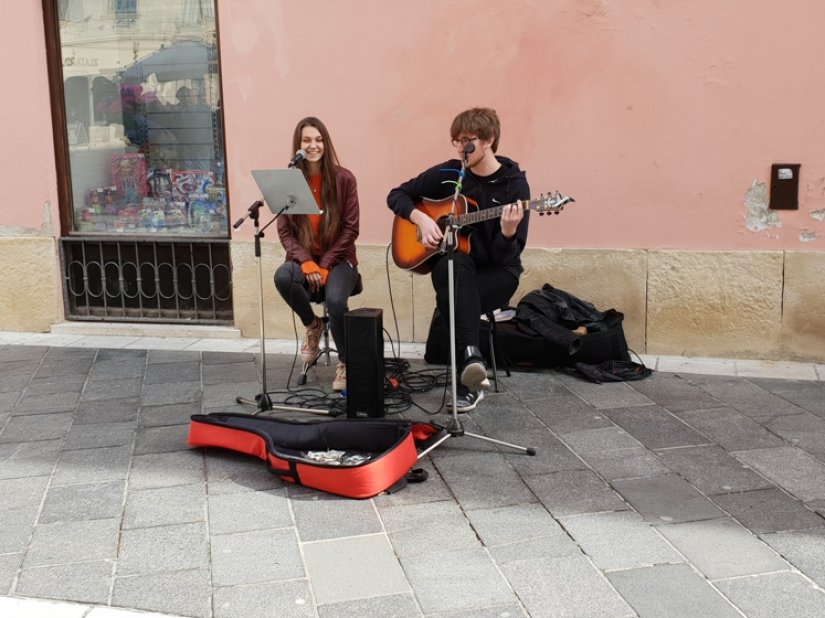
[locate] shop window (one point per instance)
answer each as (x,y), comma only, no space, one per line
(143,117)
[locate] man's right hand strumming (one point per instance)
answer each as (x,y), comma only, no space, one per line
(429,232)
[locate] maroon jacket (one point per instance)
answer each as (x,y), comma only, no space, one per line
(343,249)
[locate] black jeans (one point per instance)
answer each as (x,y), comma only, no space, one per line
(292,286)
(478,290)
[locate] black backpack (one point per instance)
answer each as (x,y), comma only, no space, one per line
(549,317)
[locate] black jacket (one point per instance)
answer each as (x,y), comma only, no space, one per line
(508,184)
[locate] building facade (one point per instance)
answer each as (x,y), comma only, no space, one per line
(690,143)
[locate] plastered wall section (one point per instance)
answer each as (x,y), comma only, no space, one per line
(764,305)
(803,320)
(29,295)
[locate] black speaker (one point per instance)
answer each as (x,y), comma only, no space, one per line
(365,363)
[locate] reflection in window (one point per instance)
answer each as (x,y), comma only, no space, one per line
(143,117)
(124,7)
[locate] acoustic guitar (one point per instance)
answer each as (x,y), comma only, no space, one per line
(408,252)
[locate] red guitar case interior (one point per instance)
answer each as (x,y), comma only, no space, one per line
(377,453)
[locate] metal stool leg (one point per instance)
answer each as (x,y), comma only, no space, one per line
(492,347)
(493,360)
(493,338)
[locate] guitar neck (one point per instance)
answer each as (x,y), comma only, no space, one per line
(478,216)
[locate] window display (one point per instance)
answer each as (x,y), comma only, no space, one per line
(143,119)
(161,201)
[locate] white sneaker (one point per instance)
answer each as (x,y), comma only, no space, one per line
(466,401)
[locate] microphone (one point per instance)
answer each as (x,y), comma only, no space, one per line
(299,156)
(468,148)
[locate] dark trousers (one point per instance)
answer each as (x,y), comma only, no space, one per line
(292,286)
(478,290)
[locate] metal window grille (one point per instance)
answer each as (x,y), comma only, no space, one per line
(182,281)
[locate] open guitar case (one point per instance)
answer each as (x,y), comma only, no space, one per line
(373,455)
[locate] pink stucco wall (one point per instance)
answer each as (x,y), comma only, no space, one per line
(27,169)
(656,116)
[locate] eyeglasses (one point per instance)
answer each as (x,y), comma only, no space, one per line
(463,141)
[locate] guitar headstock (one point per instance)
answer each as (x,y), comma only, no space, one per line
(552,203)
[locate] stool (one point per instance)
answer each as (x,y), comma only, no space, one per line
(324,349)
(491,320)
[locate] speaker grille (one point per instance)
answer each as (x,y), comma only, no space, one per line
(365,363)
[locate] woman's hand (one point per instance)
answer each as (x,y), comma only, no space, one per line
(314,281)
(315,276)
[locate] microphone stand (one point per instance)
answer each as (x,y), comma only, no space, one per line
(455,428)
(262,401)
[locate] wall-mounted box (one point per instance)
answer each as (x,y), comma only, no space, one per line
(784,186)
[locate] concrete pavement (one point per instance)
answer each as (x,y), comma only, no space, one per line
(697,492)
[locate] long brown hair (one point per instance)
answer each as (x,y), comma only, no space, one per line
(331,220)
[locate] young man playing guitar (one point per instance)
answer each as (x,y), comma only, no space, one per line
(487,275)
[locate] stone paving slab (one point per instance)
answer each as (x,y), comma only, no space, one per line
(176,547)
(257,556)
(73,541)
(655,427)
(390,605)
(571,492)
(183,593)
(625,463)
(749,398)
(806,431)
(730,429)
(354,568)
(810,398)
(791,468)
(287,599)
(87,582)
(637,490)
(768,510)
(551,587)
(456,580)
(711,470)
(721,548)
(119,410)
(671,590)
(804,550)
(165,506)
(25,459)
(777,594)
(85,501)
(667,499)
(418,528)
(621,540)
